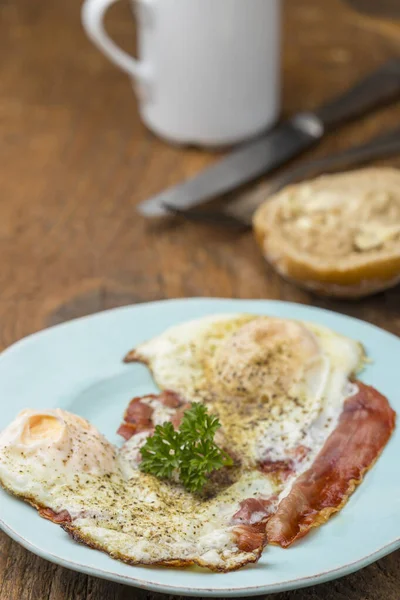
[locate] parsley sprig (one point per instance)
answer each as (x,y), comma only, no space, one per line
(190,451)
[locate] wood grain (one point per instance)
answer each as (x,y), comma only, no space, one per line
(388,9)
(75,160)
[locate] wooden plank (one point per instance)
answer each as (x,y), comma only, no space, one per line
(76,159)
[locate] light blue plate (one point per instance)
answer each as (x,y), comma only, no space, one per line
(77,366)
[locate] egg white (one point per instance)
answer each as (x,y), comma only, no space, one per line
(276,385)
(56,460)
(185,359)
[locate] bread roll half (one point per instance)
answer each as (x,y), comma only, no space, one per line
(337,235)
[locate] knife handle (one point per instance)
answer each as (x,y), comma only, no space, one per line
(376,89)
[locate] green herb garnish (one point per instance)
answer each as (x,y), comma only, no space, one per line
(190,451)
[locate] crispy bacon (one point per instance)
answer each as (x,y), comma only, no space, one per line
(253,510)
(61,517)
(138,415)
(285,468)
(364,428)
(252,517)
(138,412)
(282,467)
(137,418)
(126,430)
(249,537)
(171,399)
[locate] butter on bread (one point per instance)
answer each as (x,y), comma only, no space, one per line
(337,235)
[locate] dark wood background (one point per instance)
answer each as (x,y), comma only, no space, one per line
(74,161)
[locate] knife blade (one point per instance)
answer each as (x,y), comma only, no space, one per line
(284,142)
(239,213)
(241,166)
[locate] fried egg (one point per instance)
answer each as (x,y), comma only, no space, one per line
(278,387)
(275,384)
(64,467)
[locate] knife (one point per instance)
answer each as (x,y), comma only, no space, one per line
(239,212)
(284,142)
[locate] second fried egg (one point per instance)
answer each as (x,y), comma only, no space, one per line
(277,385)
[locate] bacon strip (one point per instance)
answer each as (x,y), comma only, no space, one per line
(61,517)
(171,399)
(250,537)
(284,468)
(138,416)
(254,510)
(126,430)
(364,428)
(251,519)
(138,412)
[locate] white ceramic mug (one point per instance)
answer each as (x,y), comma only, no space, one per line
(208,70)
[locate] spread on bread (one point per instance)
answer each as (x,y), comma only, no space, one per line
(338,234)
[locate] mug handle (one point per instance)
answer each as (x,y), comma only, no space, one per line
(93,12)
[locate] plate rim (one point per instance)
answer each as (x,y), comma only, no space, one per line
(289,584)
(192,300)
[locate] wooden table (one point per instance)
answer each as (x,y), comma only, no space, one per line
(75,160)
